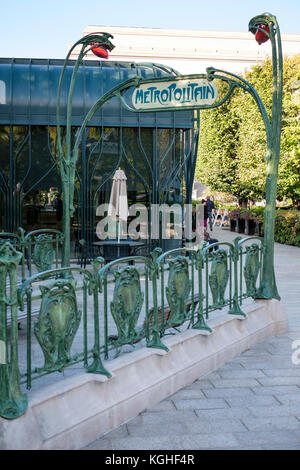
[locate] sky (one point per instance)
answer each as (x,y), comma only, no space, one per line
(44,29)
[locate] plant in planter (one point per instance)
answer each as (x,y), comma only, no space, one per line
(252,222)
(233,217)
(244,215)
(257,215)
(259,221)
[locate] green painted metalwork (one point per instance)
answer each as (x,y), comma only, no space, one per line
(198,259)
(268,287)
(57,324)
(59,320)
(218,277)
(67,158)
(251,269)
(127,303)
(178,289)
(40,248)
(12,402)
(43,254)
(155,341)
(250,253)
(185,275)
(235,309)
(192,308)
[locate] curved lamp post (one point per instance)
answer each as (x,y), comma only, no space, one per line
(266,27)
(99,44)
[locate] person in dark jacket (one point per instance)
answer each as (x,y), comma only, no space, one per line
(205,213)
(210,206)
(58,206)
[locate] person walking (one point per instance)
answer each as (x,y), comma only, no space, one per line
(205,213)
(210,206)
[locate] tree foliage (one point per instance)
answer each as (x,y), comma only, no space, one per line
(232,143)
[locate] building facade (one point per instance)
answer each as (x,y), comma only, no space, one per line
(190,51)
(157,151)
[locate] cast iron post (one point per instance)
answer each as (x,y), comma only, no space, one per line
(266,27)
(67,159)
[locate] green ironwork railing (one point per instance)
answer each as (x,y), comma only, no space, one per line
(41,249)
(75,315)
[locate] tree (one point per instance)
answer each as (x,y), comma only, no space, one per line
(232,143)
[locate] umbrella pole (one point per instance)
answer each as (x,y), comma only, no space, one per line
(118,238)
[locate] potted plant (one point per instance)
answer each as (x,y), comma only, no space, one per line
(252,222)
(244,215)
(233,217)
(257,216)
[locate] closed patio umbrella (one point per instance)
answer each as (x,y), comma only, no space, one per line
(118,202)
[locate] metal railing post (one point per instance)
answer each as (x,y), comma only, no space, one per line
(12,402)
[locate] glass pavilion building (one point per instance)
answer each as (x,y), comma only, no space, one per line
(157,151)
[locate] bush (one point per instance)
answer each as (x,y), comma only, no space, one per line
(287,227)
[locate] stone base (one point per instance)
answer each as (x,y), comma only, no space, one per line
(80,409)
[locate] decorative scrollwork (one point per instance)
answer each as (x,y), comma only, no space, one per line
(43,253)
(178,289)
(12,401)
(153,265)
(57,323)
(251,268)
(219,277)
(127,303)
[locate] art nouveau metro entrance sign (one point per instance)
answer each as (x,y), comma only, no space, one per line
(171,94)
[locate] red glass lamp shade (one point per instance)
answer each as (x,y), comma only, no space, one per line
(100,51)
(260,36)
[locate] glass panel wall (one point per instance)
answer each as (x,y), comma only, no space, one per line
(153,159)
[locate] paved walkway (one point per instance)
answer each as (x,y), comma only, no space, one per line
(252,402)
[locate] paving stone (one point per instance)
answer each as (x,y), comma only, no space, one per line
(270,381)
(289,409)
(230,366)
(255,400)
(164,417)
(205,404)
(293,372)
(229,392)
(146,443)
(206,441)
(188,393)
(276,390)
(231,383)
(158,429)
(223,413)
(241,373)
(217,425)
(286,364)
(271,423)
(289,398)
(261,354)
(267,438)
